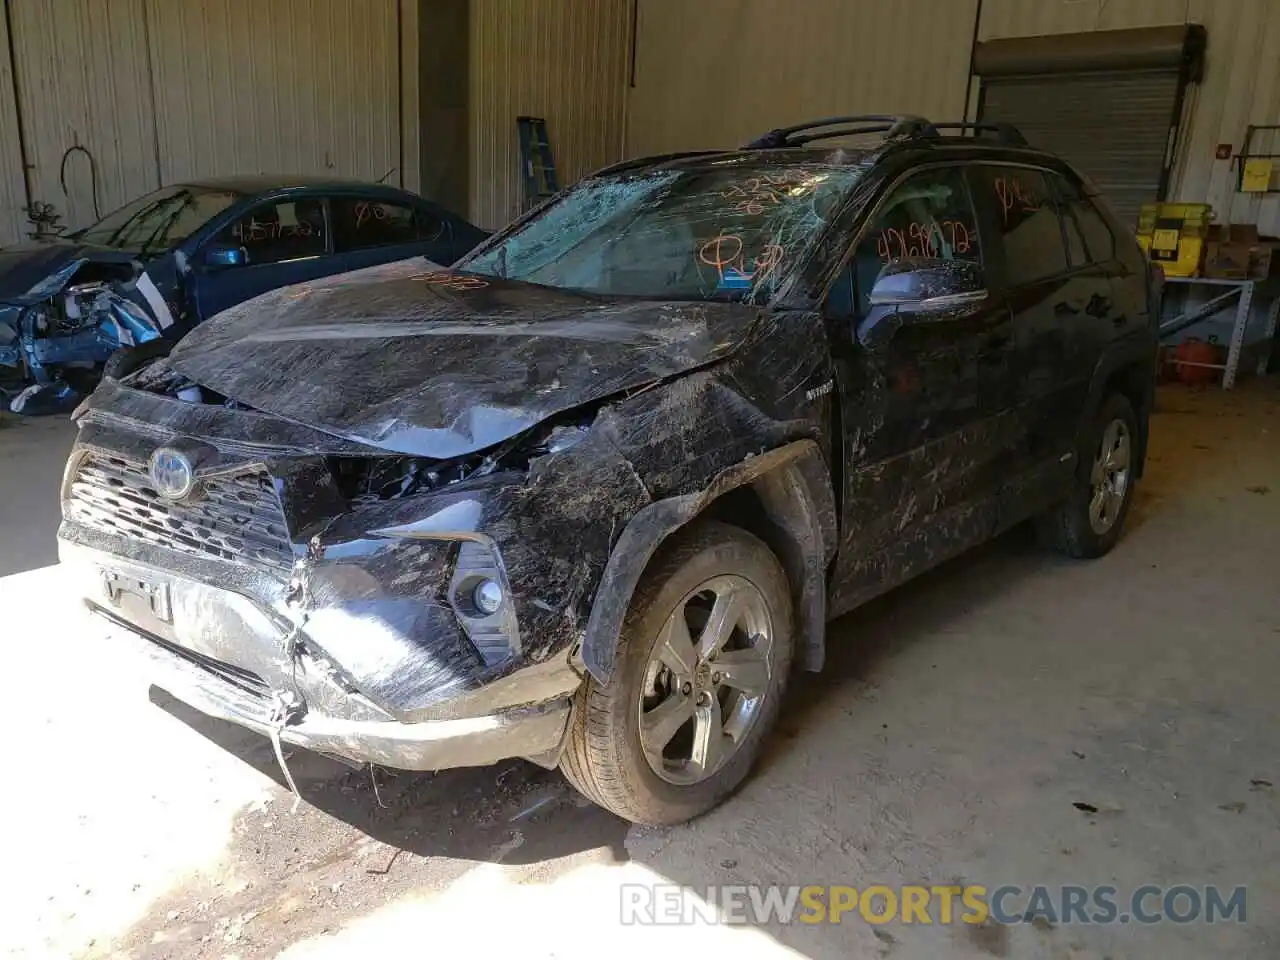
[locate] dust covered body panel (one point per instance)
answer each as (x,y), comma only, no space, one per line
(400,516)
(441,438)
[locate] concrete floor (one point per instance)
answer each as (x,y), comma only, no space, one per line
(959,720)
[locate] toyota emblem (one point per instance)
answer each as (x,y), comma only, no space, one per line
(173,473)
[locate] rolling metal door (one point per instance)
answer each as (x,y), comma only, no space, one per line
(1113,126)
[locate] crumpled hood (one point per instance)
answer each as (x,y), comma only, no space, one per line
(35,271)
(436,364)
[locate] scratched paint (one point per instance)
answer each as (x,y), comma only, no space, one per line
(530,415)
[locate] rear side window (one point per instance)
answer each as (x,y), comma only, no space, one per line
(1080,216)
(1026,219)
(361,223)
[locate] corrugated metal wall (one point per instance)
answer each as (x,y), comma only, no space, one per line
(1241,84)
(82,79)
(717,72)
(565,60)
(13,196)
(410,120)
(297,86)
(165,90)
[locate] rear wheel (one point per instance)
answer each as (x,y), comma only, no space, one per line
(1088,523)
(701,667)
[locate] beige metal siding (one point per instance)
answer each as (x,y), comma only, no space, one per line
(1033,18)
(276,86)
(13,195)
(565,60)
(1241,84)
(410,123)
(82,79)
(717,72)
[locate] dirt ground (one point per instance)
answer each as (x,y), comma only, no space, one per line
(1008,718)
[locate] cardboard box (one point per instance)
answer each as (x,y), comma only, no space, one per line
(1224,260)
(1237,253)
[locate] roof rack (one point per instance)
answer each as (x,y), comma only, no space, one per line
(1006,133)
(899,127)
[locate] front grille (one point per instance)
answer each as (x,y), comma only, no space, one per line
(235,518)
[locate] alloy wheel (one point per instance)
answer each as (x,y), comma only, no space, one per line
(706,679)
(1109,480)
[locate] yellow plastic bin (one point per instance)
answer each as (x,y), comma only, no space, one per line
(1173,235)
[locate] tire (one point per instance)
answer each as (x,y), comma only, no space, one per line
(126,360)
(604,756)
(1068,527)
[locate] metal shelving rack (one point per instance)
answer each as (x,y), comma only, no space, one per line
(1242,292)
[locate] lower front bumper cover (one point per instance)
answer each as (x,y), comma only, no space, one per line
(534,731)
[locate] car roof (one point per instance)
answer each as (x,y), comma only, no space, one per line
(969,148)
(249,184)
(903,137)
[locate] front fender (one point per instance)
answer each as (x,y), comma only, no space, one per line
(797,496)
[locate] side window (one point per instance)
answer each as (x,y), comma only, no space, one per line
(927,215)
(360,224)
(276,232)
(1027,222)
(1078,211)
(1077,253)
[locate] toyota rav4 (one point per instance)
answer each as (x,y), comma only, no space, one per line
(590,496)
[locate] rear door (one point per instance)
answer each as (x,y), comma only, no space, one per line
(919,483)
(1060,300)
(370,230)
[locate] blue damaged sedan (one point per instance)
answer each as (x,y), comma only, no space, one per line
(155,268)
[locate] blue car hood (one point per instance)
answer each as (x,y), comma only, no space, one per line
(35,271)
(436,364)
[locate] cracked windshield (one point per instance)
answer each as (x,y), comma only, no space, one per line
(710,233)
(159,220)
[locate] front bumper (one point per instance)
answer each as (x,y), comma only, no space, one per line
(533,731)
(217,651)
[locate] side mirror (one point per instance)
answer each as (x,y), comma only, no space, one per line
(224,255)
(925,288)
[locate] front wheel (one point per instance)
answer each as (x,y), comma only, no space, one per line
(1089,521)
(699,676)
(126,360)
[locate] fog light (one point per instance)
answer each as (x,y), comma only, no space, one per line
(488,597)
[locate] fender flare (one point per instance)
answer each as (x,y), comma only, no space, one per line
(1117,356)
(793,484)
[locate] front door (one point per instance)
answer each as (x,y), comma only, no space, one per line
(283,242)
(919,409)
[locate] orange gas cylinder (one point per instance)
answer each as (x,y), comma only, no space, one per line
(1190,353)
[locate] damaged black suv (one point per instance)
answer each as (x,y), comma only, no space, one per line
(588,496)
